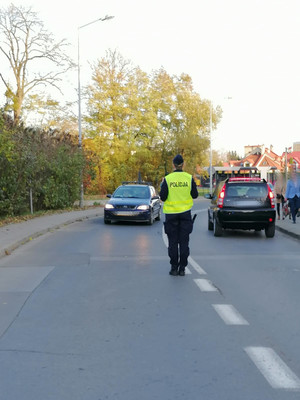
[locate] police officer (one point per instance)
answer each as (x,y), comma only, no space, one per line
(178,190)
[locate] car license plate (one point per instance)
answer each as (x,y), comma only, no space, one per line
(124,213)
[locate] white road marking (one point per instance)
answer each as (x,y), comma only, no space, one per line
(165,237)
(229,314)
(129,258)
(196,266)
(187,271)
(200,210)
(205,285)
(276,372)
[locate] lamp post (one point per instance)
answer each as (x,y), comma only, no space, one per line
(107,17)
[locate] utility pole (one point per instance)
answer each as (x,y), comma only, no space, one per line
(107,17)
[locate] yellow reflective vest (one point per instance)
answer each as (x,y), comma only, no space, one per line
(179,193)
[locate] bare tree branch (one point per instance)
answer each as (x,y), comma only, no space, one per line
(24,44)
(4,81)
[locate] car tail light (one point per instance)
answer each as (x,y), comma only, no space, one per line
(271,197)
(221,197)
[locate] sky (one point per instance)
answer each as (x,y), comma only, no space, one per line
(241,54)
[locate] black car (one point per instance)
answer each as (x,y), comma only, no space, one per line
(242,203)
(133,201)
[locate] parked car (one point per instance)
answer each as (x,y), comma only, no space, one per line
(242,203)
(133,201)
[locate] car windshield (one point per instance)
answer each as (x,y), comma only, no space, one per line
(134,192)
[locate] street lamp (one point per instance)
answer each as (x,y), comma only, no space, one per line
(107,17)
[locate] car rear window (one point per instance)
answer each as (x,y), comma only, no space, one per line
(247,190)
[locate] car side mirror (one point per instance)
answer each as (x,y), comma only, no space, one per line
(208,196)
(108,195)
(155,197)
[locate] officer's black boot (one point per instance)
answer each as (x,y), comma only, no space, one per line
(173,271)
(181,272)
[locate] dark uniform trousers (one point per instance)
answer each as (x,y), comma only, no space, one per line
(178,228)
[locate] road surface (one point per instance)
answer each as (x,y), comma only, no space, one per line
(90,312)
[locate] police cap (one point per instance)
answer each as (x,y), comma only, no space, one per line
(178,160)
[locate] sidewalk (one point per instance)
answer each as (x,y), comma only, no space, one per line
(287,226)
(14,235)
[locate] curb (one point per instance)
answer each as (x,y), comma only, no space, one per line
(8,250)
(287,232)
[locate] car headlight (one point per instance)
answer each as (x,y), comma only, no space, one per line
(109,206)
(143,207)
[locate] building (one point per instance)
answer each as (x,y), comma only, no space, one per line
(262,159)
(296,146)
(259,161)
(292,160)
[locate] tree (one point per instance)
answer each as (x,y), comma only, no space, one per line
(233,155)
(183,119)
(137,123)
(218,158)
(49,114)
(120,119)
(39,165)
(32,53)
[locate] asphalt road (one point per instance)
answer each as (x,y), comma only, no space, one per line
(89,312)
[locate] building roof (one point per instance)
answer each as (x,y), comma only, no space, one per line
(258,158)
(295,155)
(266,161)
